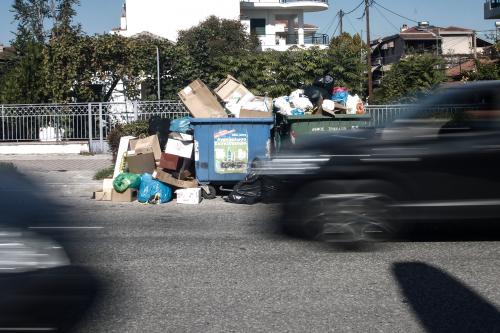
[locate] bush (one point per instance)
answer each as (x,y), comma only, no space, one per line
(137,128)
(104,173)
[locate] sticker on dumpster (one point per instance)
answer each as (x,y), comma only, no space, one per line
(231,151)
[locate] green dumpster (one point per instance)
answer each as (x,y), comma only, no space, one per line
(290,129)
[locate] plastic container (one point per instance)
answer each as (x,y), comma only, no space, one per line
(291,129)
(226,147)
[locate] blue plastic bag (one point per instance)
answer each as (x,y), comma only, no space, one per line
(297,112)
(340,97)
(152,191)
(180,125)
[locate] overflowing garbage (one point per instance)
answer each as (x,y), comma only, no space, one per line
(321,98)
(229,128)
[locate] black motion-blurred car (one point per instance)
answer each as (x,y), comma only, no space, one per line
(429,165)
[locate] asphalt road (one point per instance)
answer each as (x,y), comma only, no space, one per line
(218,267)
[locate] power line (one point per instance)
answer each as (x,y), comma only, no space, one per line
(388,21)
(338,25)
(331,24)
(355,9)
(393,12)
(352,25)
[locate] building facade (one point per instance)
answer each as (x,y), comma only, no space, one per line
(279,24)
(491,9)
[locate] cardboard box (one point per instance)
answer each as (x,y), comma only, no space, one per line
(232,90)
(189,196)
(167,178)
(120,156)
(107,185)
(259,107)
(142,163)
(102,196)
(180,148)
(128,196)
(180,136)
(171,162)
(151,144)
(200,101)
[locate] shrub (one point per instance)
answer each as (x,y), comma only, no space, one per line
(137,128)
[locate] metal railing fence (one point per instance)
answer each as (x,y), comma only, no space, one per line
(76,122)
(93,121)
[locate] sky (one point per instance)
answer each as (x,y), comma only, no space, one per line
(99,16)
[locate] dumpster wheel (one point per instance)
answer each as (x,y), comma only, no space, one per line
(211,194)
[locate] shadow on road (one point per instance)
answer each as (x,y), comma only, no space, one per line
(442,303)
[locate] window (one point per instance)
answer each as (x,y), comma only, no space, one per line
(258,27)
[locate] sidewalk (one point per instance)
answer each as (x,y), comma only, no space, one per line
(58,162)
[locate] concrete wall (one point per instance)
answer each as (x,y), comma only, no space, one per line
(459,44)
(166,18)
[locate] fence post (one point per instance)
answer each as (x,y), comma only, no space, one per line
(3,123)
(90,127)
(101,129)
(136,112)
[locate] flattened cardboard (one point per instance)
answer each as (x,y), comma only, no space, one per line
(102,196)
(128,196)
(142,163)
(179,148)
(200,101)
(189,196)
(151,144)
(120,156)
(167,178)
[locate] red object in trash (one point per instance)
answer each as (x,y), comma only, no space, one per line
(171,162)
(339,90)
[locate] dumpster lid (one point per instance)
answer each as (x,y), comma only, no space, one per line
(268,120)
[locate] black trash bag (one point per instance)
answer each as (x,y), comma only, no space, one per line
(326,82)
(315,94)
(255,189)
(161,127)
(248,191)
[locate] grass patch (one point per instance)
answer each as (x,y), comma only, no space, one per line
(7,166)
(104,173)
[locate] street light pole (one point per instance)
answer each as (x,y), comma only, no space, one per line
(158,71)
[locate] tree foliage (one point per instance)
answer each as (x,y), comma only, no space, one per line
(413,75)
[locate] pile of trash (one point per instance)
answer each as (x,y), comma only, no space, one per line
(154,169)
(321,98)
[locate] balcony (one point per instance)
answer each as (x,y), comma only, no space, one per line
(492,9)
(305,5)
(283,41)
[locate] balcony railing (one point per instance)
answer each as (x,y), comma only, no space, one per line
(285,1)
(293,39)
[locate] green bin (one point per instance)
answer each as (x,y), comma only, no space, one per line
(290,129)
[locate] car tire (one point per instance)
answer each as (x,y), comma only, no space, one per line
(345,211)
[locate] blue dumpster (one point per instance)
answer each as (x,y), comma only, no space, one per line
(226,147)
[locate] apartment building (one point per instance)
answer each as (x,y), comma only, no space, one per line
(279,24)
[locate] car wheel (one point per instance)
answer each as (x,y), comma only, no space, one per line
(211,194)
(345,211)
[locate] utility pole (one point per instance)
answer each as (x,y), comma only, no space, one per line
(369,53)
(341,16)
(474,43)
(437,42)
(158,70)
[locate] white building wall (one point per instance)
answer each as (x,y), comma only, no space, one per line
(166,18)
(461,44)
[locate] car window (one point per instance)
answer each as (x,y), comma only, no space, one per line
(449,112)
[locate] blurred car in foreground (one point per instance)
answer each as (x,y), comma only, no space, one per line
(439,162)
(41,290)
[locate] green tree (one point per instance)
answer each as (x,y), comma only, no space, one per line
(210,43)
(413,75)
(347,65)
